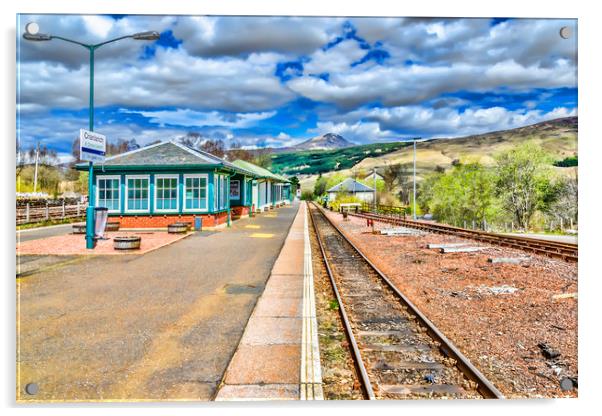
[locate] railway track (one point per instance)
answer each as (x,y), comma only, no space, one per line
(398,352)
(565,251)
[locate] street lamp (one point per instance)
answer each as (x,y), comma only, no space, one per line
(414,184)
(31,33)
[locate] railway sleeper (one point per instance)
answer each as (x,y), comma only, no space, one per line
(421,389)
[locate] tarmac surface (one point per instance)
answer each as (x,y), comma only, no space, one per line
(43,232)
(160,326)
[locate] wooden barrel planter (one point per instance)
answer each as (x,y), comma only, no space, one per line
(127,243)
(177,228)
(79,228)
(188,224)
(112,226)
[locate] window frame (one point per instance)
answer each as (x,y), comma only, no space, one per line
(148,197)
(112,177)
(156,191)
(225,193)
(239,196)
(193,176)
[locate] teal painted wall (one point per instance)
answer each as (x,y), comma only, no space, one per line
(181,192)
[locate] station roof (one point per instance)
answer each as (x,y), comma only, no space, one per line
(350,185)
(170,155)
(258,171)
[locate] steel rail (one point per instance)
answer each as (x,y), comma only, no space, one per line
(365,380)
(484,386)
(566,251)
(571,246)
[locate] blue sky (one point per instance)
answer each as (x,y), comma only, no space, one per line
(276,81)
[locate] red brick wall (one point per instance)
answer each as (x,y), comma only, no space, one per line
(238,212)
(160,221)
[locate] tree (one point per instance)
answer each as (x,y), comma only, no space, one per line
(215,147)
(113,148)
(320,186)
(465,193)
(191,139)
(390,175)
(565,205)
(237,152)
(425,195)
(295,184)
(523,181)
(405,184)
(263,158)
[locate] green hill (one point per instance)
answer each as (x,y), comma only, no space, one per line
(309,162)
(558,137)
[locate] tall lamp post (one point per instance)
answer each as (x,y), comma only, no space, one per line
(31,33)
(414,185)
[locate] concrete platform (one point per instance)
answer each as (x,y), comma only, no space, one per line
(278,355)
(162,326)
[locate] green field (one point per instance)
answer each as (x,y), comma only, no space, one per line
(311,162)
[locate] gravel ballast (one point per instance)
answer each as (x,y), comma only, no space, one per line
(498,314)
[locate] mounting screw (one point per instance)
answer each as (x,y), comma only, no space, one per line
(31,388)
(565,32)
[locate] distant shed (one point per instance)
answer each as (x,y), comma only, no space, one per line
(351,187)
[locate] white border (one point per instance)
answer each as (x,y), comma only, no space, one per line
(167,176)
(196,175)
(97,193)
(590,170)
(143,211)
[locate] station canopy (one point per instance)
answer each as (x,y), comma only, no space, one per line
(259,172)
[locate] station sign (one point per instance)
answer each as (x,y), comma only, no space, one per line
(92,146)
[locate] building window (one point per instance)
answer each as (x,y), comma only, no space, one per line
(235,189)
(107,192)
(166,192)
(221,192)
(195,192)
(223,196)
(137,193)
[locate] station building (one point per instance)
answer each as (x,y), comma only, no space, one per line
(269,190)
(169,182)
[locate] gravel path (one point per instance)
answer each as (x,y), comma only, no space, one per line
(501,316)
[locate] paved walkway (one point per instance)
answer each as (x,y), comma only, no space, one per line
(278,356)
(75,244)
(160,326)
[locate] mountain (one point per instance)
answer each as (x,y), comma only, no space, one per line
(558,137)
(328,141)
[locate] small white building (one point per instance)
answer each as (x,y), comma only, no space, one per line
(351,187)
(370,178)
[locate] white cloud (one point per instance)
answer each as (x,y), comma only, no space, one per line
(232,36)
(378,123)
(336,59)
(358,132)
(172,78)
(394,86)
(191,118)
(227,65)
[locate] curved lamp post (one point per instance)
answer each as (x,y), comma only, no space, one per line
(31,33)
